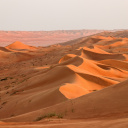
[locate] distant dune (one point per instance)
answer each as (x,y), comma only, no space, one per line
(43,38)
(77,84)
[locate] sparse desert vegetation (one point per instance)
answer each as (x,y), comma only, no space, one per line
(50,115)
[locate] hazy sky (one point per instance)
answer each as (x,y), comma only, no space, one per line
(63,14)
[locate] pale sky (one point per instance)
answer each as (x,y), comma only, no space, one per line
(34,15)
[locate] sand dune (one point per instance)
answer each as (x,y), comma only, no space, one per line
(80,81)
(20,46)
(10,57)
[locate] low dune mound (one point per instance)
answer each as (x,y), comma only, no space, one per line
(20,46)
(4,49)
(116,63)
(109,41)
(96,50)
(66,57)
